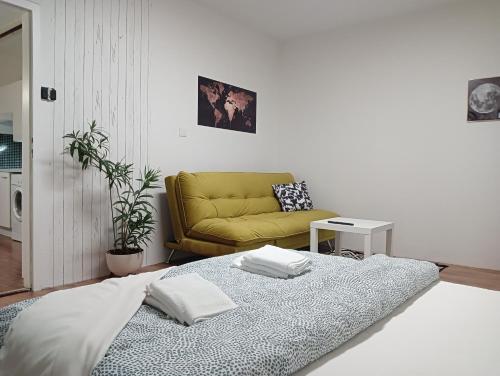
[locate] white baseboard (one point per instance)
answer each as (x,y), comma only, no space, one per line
(5,232)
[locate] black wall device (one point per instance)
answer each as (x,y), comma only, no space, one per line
(48,94)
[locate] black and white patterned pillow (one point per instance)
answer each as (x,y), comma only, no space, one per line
(293,196)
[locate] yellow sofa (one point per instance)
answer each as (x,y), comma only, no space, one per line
(216,213)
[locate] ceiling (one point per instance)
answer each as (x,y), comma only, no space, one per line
(11,45)
(9,16)
(285,19)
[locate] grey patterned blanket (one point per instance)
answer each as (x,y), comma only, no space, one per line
(279,327)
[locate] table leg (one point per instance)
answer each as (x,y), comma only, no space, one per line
(388,242)
(368,246)
(338,236)
(313,243)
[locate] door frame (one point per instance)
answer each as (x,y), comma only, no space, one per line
(31,107)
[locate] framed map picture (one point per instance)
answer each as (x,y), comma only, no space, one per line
(226,106)
(484,99)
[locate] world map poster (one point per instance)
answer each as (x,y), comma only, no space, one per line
(225,106)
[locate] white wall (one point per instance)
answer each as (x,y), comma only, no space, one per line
(376,115)
(188,40)
(133,66)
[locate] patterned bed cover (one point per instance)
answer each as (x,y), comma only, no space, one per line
(279,327)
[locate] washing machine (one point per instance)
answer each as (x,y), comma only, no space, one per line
(16,206)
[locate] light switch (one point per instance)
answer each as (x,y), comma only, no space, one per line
(48,94)
(183,132)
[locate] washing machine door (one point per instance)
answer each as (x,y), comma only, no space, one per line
(17,204)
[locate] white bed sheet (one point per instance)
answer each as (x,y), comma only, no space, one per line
(449,329)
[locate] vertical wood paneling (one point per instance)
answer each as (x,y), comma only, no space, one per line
(105,108)
(113,86)
(143,80)
(58,129)
(148,5)
(43,175)
(78,122)
(88,41)
(129,84)
(113,75)
(101,72)
(97,116)
(68,163)
(122,79)
(136,87)
(137,78)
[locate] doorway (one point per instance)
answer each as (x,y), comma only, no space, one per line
(15,146)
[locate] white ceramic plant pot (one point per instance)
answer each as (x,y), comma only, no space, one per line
(122,265)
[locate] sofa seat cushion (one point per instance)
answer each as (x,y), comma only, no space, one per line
(250,229)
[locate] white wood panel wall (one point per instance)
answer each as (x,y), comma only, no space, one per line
(96,54)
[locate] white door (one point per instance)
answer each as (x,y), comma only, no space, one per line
(4,199)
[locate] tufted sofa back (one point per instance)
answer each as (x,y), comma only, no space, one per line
(205,195)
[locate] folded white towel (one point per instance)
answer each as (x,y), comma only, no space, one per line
(279,259)
(257,269)
(170,310)
(188,298)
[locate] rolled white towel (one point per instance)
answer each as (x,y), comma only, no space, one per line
(188,298)
(282,260)
(258,269)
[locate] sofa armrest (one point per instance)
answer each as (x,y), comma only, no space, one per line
(173,207)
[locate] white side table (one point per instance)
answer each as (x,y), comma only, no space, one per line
(360,226)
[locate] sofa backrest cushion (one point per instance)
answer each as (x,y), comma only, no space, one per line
(206,195)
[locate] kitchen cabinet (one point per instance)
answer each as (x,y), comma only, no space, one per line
(4,199)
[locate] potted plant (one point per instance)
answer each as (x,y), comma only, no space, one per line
(132,213)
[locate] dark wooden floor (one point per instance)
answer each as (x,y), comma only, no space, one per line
(10,265)
(6,300)
(488,279)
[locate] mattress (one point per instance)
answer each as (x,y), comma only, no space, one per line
(448,329)
(279,327)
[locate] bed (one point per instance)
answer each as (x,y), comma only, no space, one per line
(282,326)
(448,329)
